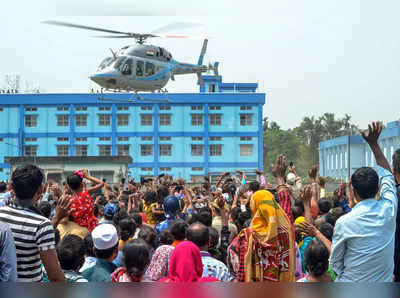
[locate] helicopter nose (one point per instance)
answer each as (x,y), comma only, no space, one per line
(104,79)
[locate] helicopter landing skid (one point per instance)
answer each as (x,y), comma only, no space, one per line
(138,98)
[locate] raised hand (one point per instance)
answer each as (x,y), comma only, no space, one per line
(306,194)
(259,173)
(279,169)
(374,131)
(312,173)
(321,182)
(308,229)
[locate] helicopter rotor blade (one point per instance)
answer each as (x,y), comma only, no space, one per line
(173,26)
(66,24)
(112,36)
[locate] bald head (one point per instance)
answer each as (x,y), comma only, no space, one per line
(199,235)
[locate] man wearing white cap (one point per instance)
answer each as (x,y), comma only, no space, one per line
(105,242)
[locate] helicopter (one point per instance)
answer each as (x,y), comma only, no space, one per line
(141,67)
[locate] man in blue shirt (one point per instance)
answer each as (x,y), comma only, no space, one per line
(396,173)
(8,255)
(363,240)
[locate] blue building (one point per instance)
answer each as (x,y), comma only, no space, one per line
(190,135)
(333,154)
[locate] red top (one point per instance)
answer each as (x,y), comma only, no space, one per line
(82,210)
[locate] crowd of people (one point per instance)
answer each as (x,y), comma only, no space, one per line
(162,230)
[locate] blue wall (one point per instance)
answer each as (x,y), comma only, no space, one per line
(14,136)
(333,153)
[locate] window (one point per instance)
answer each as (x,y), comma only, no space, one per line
(332,161)
(30,139)
(139,68)
(215,139)
(246,138)
(165,108)
(246,150)
(345,160)
(211,88)
(341,160)
(165,150)
(123,120)
(197,150)
(150,69)
(146,150)
(104,108)
(123,139)
(165,138)
(146,169)
(104,119)
(245,108)
(81,108)
(197,138)
(81,120)
(81,150)
(165,169)
(104,150)
(104,139)
(215,150)
(120,108)
(215,119)
(31,120)
(165,119)
(196,108)
(147,139)
(197,119)
(391,155)
(62,139)
(81,139)
(246,119)
(123,150)
(127,67)
(197,169)
(215,108)
(62,108)
(336,161)
(62,150)
(30,150)
(30,109)
(146,108)
(62,120)
(146,120)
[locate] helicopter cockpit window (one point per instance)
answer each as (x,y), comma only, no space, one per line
(139,68)
(106,62)
(127,67)
(119,62)
(150,69)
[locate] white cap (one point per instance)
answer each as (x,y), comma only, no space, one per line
(105,236)
(291,179)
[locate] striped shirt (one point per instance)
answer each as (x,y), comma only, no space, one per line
(32,233)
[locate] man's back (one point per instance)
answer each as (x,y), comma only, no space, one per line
(100,272)
(363,240)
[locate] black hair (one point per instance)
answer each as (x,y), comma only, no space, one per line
(118,216)
(396,161)
(214,240)
(365,182)
(105,253)
(126,228)
(254,186)
(147,234)
(198,234)
(297,211)
(324,205)
(71,252)
(165,237)
(192,218)
(137,217)
(326,229)
(205,217)
(45,209)
(178,229)
(316,257)
(96,210)
(299,202)
(247,223)
(88,241)
(74,181)
(162,193)
(135,257)
(57,236)
(26,181)
(102,201)
(333,215)
(150,197)
(3,187)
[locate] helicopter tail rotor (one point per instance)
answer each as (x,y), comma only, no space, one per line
(214,68)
